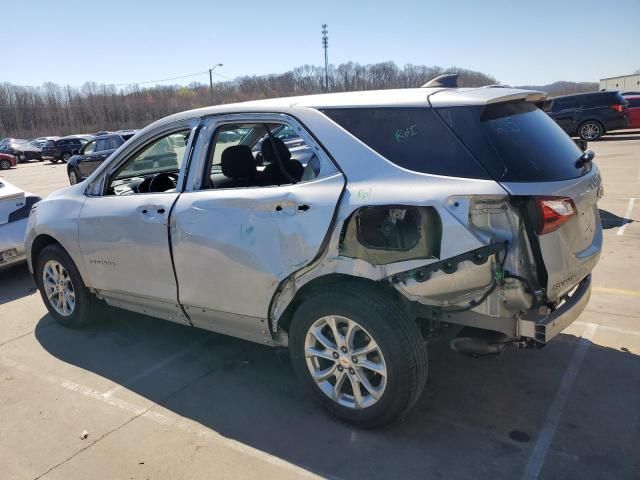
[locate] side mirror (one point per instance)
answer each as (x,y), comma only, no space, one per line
(582,144)
(75,152)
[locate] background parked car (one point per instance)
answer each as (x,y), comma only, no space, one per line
(11,145)
(15,205)
(93,153)
(7,161)
(31,150)
(588,115)
(633,111)
(62,149)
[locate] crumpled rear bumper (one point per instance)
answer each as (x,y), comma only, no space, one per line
(543,329)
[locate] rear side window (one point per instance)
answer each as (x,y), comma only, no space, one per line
(113,143)
(101,144)
(560,104)
(516,142)
(412,138)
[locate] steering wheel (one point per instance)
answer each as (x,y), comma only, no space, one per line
(163,181)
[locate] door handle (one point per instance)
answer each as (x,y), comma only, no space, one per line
(152,213)
(301,208)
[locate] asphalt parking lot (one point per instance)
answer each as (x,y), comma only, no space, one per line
(159,400)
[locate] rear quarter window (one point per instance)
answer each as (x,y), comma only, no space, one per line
(414,138)
(516,142)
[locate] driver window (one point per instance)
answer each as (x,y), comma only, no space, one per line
(153,169)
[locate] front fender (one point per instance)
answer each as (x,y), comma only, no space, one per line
(57,217)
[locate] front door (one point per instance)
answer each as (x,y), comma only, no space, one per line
(124,232)
(239,235)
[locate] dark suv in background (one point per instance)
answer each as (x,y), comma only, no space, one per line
(62,149)
(588,115)
(86,159)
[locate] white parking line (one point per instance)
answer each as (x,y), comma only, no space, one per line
(161,418)
(540,449)
(611,329)
(627,216)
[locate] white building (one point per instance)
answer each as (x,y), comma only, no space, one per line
(625,82)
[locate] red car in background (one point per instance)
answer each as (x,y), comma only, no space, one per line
(7,161)
(633,111)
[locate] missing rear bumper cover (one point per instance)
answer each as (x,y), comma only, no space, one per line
(478,256)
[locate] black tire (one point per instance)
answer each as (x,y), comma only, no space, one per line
(65,157)
(87,306)
(5,164)
(21,158)
(591,130)
(53,160)
(397,336)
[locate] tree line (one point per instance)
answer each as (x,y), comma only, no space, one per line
(28,112)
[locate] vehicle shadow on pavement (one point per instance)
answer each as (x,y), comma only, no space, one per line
(611,220)
(478,418)
(16,282)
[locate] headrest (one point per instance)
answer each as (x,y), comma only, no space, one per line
(269,155)
(238,162)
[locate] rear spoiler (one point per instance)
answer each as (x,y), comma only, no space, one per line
(484,96)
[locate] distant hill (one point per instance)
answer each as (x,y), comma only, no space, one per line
(564,88)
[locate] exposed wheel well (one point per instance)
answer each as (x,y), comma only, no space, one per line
(334,279)
(40,242)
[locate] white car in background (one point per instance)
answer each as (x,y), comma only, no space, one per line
(15,205)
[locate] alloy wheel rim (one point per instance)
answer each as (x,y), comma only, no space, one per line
(590,131)
(345,362)
(72,178)
(59,288)
(5,165)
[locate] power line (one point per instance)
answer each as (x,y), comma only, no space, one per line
(146,82)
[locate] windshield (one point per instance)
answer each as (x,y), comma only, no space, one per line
(516,142)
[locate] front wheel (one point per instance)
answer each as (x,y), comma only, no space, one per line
(355,348)
(64,293)
(591,131)
(53,160)
(5,164)
(66,157)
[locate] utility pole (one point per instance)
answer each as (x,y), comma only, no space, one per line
(211,80)
(325,45)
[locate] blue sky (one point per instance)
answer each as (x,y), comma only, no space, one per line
(114,41)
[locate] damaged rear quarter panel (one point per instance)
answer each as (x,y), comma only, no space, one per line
(374,181)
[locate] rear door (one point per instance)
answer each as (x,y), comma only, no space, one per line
(232,246)
(531,157)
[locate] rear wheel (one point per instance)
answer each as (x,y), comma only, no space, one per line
(64,293)
(356,350)
(5,164)
(65,157)
(591,130)
(53,160)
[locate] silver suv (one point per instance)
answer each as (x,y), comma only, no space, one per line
(419,208)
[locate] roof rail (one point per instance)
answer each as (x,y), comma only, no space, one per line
(448,80)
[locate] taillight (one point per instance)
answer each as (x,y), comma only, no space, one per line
(618,107)
(554,212)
